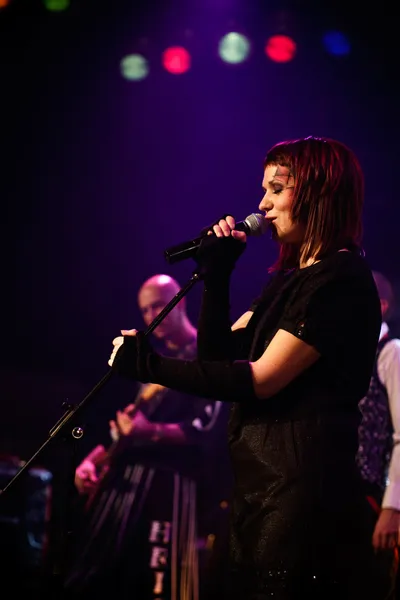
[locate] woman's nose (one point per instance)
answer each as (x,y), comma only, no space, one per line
(265,204)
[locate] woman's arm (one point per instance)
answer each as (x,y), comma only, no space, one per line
(285,358)
(214,334)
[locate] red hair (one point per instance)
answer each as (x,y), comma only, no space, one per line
(328,196)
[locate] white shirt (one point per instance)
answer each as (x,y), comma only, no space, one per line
(388,368)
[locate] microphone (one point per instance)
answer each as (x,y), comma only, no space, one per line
(254,225)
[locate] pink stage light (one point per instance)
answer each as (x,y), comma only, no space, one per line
(176,60)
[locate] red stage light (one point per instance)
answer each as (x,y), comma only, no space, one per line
(176,60)
(280,48)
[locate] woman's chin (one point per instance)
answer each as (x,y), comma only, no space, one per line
(278,236)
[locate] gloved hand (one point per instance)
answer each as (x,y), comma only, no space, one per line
(210,228)
(133,357)
(129,356)
(220,249)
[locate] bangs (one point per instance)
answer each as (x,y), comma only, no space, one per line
(281,154)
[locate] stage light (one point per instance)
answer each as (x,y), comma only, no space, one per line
(56,5)
(336,43)
(4,3)
(234,48)
(134,67)
(176,60)
(280,48)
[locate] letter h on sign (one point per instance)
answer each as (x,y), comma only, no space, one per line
(160,532)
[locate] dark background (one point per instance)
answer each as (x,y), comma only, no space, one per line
(99,174)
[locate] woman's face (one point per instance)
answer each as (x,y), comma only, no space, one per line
(278,184)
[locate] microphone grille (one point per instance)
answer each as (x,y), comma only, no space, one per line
(257,224)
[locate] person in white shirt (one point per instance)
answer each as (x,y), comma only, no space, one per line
(378,454)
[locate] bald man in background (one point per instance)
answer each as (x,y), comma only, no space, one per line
(158,495)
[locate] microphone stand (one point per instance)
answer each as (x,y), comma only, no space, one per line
(67,429)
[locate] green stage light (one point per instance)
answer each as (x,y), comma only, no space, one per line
(234,48)
(56,5)
(134,67)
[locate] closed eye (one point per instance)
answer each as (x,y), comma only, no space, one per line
(276,189)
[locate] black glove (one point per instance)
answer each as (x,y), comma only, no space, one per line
(128,361)
(217,257)
(208,228)
(218,380)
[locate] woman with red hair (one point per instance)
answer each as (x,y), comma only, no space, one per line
(294,367)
